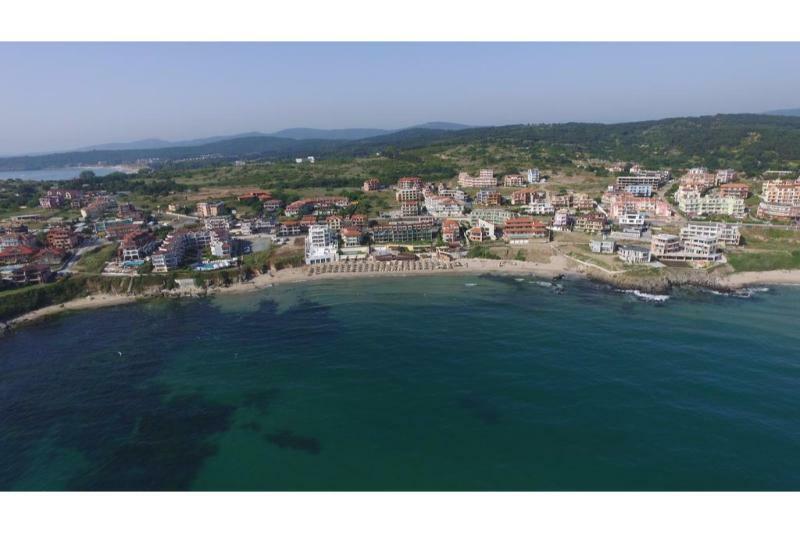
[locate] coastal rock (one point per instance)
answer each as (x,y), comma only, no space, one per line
(661,282)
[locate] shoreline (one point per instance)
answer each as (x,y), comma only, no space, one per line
(559,266)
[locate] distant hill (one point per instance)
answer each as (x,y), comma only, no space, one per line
(785,112)
(449,126)
(348,134)
(345,134)
(145,144)
(748,142)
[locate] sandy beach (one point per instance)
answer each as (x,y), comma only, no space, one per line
(88,302)
(768,277)
(558,265)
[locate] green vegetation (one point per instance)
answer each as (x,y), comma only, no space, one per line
(746,142)
(757,261)
(92,262)
(258,261)
(19,301)
(482,252)
(294,259)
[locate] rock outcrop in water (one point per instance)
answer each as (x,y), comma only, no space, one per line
(662,281)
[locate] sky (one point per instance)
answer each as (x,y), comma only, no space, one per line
(59,96)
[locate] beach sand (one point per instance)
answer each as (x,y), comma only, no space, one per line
(768,277)
(87,302)
(558,265)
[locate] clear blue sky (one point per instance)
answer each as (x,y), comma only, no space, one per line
(62,96)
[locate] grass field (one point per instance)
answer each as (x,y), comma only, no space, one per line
(773,260)
(94,261)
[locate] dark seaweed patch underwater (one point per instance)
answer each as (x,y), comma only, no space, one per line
(439,383)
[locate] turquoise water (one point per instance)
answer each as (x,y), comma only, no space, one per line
(449,382)
(55,174)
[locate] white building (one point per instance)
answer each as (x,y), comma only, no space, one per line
(694,204)
(723,233)
(533,175)
(321,246)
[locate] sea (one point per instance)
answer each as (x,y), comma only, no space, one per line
(420,383)
(56,174)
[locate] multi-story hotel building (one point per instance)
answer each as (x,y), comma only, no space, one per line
(321,245)
(521,230)
(485,178)
(724,233)
(412,229)
(694,204)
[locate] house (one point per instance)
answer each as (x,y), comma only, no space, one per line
(128,210)
(220,243)
(451,231)
(726,175)
(533,176)
(654,178)
(61,238)
(51,202)
(562,221)
(218,222)
(49,256)
(372,184)
(591,223)
(98,206)
(521,230)
(289,228)
(320,247)
(488,197)
(405,230)
(210,209)
(734,190)
(26,274)
(665,244)
(525,196)
(485,178)
(176,245)
(334,222)
(694,204)
(693,248)
(456,194)
(639,189)
(493,215)
(602,246)
(13,239)
(261,196)
(17,254)
(358,220)
(725,234)
(409,208)
(780,199)
(634,254)
(514,180)
(620,202)
(352,236)
(410,183)
(633,220)
(408,195)
(115,228)
(477,234)
(272,205)
(442,206)
(137,246)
